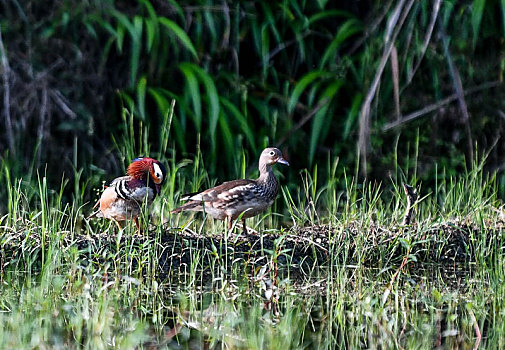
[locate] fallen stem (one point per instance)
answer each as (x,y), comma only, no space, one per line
(437,105)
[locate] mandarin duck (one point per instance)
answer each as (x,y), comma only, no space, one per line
(123,199)
(230,199)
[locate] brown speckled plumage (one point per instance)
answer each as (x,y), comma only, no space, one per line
(230,199)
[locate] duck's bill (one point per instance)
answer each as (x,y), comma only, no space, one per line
(282,161)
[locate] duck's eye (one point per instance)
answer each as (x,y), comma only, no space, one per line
(272,153)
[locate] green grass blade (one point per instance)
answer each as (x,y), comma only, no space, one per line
(194,92)
(151,23)
(180,34)
(244,126)
(318,133)
(317,127)
(150,32)
(136,47)
(161,101)
(352,116)
(141,97)
(227,136)
(300,87)
(477,12)
(212,96)
(328,14)
(346,30)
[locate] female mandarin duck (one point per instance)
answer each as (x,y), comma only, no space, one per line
(123,199)
(230,199)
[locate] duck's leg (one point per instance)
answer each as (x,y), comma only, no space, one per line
(136,220)
(229,223)
(245,227)
(118,224)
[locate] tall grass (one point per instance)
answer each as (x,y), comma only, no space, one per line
(203,88)
(62,293)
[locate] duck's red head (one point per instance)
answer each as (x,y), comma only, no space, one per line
(142,167)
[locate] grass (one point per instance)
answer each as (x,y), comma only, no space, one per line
(115,291)
(262,72)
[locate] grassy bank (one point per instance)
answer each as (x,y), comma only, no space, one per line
(379,284)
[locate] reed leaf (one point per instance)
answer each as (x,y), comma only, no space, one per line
(300,87)
(477,12)
(141,98)
(212,97)
(193,92)
(241,119)
(151,24)
(321,118)
(346,30)
(180,35)
(328,14)
(161,101)
(352,116)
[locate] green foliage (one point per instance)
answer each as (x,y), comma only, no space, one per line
(245,75)
(203,86)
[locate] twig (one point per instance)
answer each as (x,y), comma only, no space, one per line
(394,26)
(404,262)
(6,106)
(307,240)
(427,39)
(371,29)
(437,105)
(389,289)
(477,330)
(59,99)
(438,327)
(396,81)
(225,43)
(42,123)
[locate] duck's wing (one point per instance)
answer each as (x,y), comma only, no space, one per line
(120,179)
(128,188)
(117,188)
(121,187)
(217,196)
(226,189)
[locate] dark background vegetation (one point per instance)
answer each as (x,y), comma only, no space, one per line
(374,83)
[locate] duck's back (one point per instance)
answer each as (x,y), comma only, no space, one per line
(231,198)
(123,199)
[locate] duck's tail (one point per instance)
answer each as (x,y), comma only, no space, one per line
(97,213)
(192,206)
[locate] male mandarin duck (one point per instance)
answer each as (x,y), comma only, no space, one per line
(123,199)
(230,199)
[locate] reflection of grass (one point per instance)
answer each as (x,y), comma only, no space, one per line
(116,291)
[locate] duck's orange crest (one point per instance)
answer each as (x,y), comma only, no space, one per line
(139,168)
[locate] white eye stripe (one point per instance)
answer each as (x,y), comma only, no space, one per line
(157,171)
